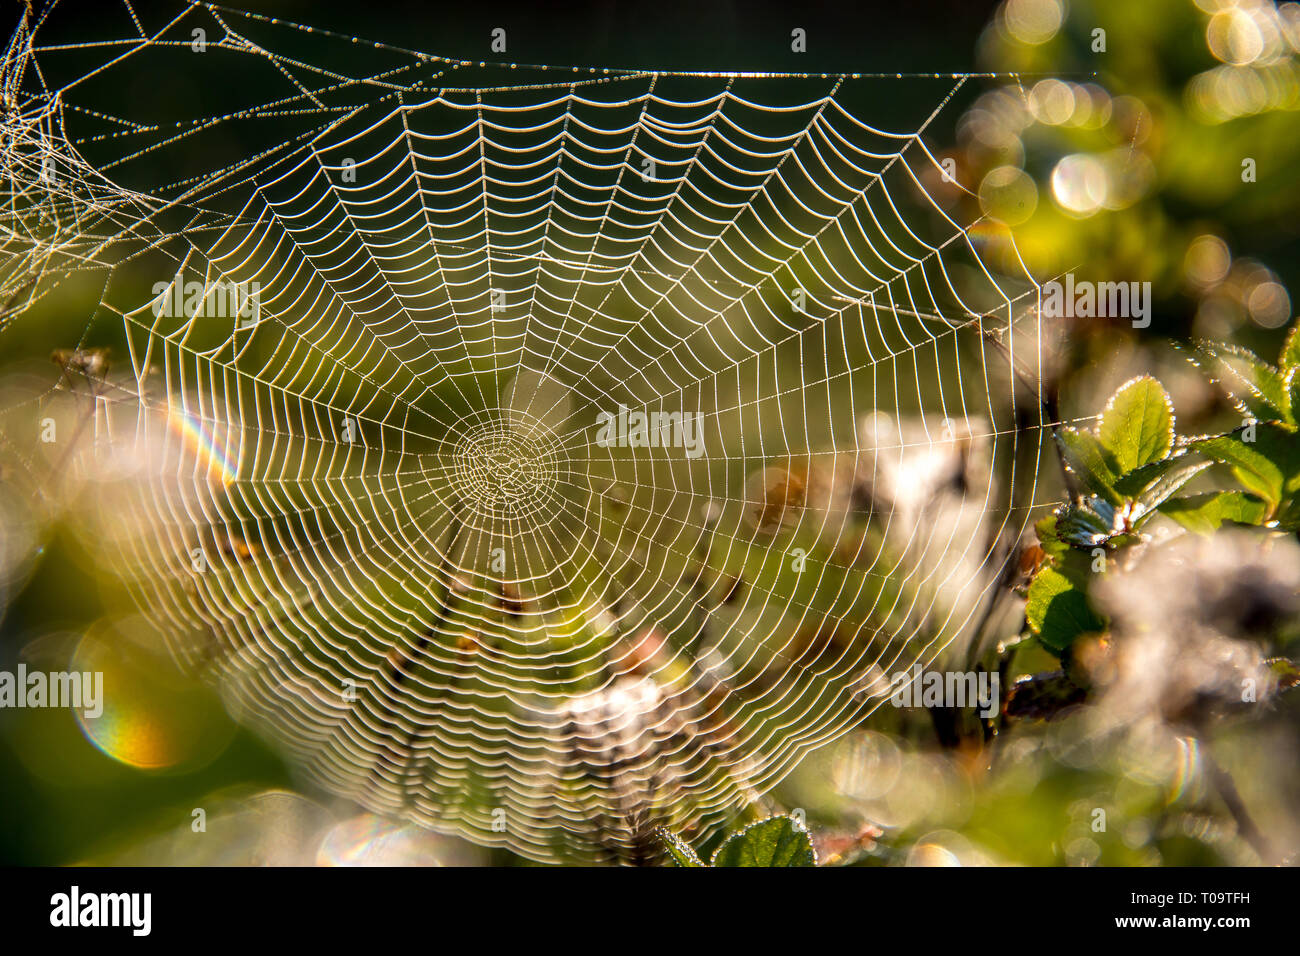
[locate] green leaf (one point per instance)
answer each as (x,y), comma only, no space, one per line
(1087,523)
(1293,392)
(1254,385)
(1137,425)
(1268,466)
(1290,357)
(1204,514)
(776,841)
(1154,482)
(1166,478)
(1057,609)
(1048,537)
(1093,521)
(1086,457)
(679,851)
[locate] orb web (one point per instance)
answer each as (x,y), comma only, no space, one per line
(544,455)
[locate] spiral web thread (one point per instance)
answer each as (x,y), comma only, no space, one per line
(378,516)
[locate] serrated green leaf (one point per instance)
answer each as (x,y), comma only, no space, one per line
(1290,357)
(679,851)
(776,841)
(1205,514)
(1087,523)
(1137,426)
(1293,392)
(1268,466)
(1086,457)
(1167,479)
(1254,385)
(1057,609)
(1131,483)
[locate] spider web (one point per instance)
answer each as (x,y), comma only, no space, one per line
(370,325)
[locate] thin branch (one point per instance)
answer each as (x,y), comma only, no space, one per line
(1227,790)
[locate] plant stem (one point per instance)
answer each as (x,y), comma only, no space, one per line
(1227,790)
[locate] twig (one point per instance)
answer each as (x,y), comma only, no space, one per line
(1227,790)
